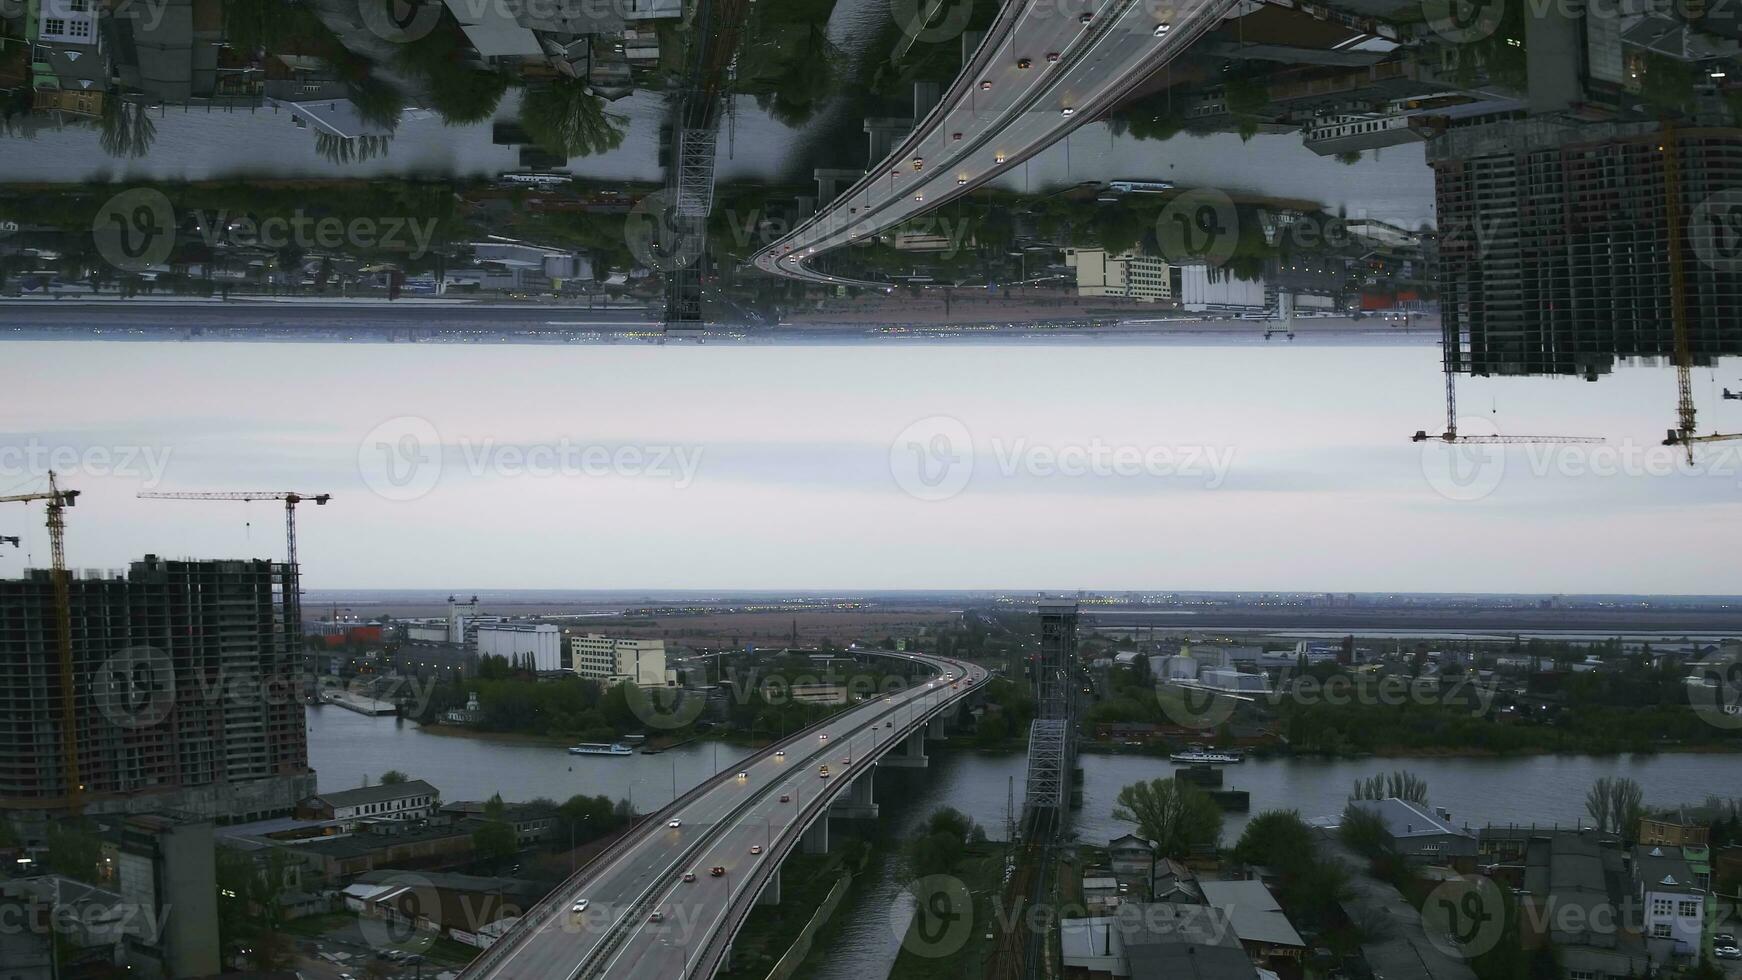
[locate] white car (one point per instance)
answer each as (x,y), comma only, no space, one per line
(780,753)
(578,907)
(1727,952)
(674,822)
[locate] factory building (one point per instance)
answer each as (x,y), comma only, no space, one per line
(614,660)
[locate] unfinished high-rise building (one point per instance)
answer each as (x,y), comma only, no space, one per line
(1555,244)
(186,688)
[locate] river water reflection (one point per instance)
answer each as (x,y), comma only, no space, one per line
(345,747)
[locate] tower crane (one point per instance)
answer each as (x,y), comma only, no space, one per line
(58,501)
(293,571)
(1451,433)
(1684,434)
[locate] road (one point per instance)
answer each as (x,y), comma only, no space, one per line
(718,826)
(999,113)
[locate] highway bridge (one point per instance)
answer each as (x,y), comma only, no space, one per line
(655,906)
(1044,68)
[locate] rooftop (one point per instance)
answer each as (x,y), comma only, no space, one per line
(379,793)
(1253,910)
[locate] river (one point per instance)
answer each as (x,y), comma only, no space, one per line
(345,747)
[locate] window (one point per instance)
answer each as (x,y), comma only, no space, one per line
(1690,910)
(1660,930)
(55,26)
(1581,975)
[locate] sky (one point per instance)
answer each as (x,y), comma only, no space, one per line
(870,467)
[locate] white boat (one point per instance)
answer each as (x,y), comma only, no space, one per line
(600,748)
(1207,755)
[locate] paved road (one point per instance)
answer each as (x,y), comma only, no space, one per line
(717,828)
(998,114)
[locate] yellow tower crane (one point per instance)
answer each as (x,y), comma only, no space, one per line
(58,501)
(293,571)
(1683,434)
(1451,434)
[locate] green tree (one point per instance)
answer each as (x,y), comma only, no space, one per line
(495,839)
(567,119)
(1276,838)
(1401,784)
(393,777)
(1179,817)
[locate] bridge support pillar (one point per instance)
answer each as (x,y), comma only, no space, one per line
(935,729)
(859,803)
(816,837)
(909,755)
(771,891)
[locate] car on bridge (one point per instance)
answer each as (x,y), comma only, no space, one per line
(716,871)
(755,848)
(786,797)
(657,916)
(823,772)
(578,907)
(674,822)
(743,776)
(689,876)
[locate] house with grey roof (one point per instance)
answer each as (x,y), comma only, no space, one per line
(1256,917)
(1671,905)
(1417,834)
(411,800)
(1157,941)
(1574,896)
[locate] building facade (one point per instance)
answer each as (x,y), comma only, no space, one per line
(413,799)
(1127,275)
(1555,247)
(541,644)
(615,660)
(185,692)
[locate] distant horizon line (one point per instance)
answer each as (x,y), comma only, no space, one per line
(655,592)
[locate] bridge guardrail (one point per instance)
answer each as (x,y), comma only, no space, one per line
(542,910)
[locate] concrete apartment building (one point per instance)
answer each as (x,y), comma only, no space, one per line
(183,687)
(1554,245)
(167,869)
(413,799)
(1127,275)
(615,660)
(541,644)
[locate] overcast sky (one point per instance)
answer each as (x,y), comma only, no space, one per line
(1264,467)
